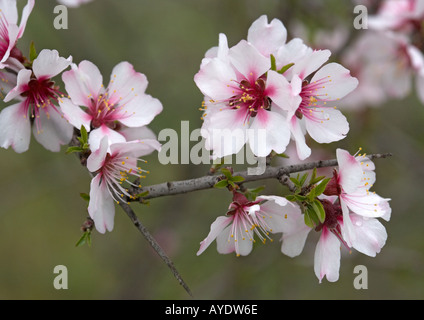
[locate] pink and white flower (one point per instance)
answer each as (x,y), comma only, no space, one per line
(235,232)
(241,94)
(105,110)
(398,15)
(114,164)
(370,237)
(37,95)
(351,183)
(10,32)
(310,103)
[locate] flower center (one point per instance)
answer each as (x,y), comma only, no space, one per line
(39,94)
(103,112)
(312,99)
(251,97)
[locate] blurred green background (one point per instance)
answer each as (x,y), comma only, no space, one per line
(41,211)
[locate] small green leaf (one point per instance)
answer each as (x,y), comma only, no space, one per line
(84,135)
(273,63)
(320,188)
(285,68)
(85,239)
(85,196)
(32,52)
(73,149)
(237,179)
(291,197)
(221,184)
(303,179)
(319,210)
(141,195)
(308,220)
(226,172)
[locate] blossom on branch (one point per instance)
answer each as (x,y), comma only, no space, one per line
(10,32)
(235,232)
(114,164)
(37,95)
(105,111)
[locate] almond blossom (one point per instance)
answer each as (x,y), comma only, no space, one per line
(73,3)
(10,32)
(351,183)
(370,237)
(310,97)
(104,111)
(113,165)
(399,15)
(37,95)
(240,101)
(235,232)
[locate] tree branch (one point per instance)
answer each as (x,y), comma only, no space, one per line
(153,243)
(207,182)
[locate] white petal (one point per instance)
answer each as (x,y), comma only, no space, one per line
(136,148)
(327,257)
(350,171)
(248,61)
(97,134)
(97,158)
(303,151)
(15,129)
(25,15)
(55,130)
(74,114)
(267,37)
(83,83)
(140,111)
(310,63)
(341,82)
(327,125)
(49,64)
(269,131)
(138,133)
(216,228)
(101,207)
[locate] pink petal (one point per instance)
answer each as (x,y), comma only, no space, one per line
(269,131)
(15,128)
(350,171)
(284,95)
(138,133)
(310,63)
(97,134)
(303,151)
(327,256)
(216,228)
(22,80)
(49,64)
(125,84)
(267,37)
(75,115)
(55,130)
(140,111)
(83,83)
(328,125)
(101,207)
(97,158)
(137,148)
(249,61)
(216,80)
(341,84)
(25,15)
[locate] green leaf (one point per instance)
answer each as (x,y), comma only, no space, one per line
(85,196)
(285,68)
(32,52)
(221,184)
(296,182)
(308,220)
(73,149)
(320,188)
(303,179)
(311,218)
(226,172)
(85,239)
(273,63)
(319,210)
(84,135)
(237,179)
(141,195)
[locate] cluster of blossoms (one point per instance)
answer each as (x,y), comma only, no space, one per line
(387,58)
(263,92)
(286,90)
(115,116)
(267,87)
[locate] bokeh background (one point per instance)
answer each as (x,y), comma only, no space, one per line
(41,210)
